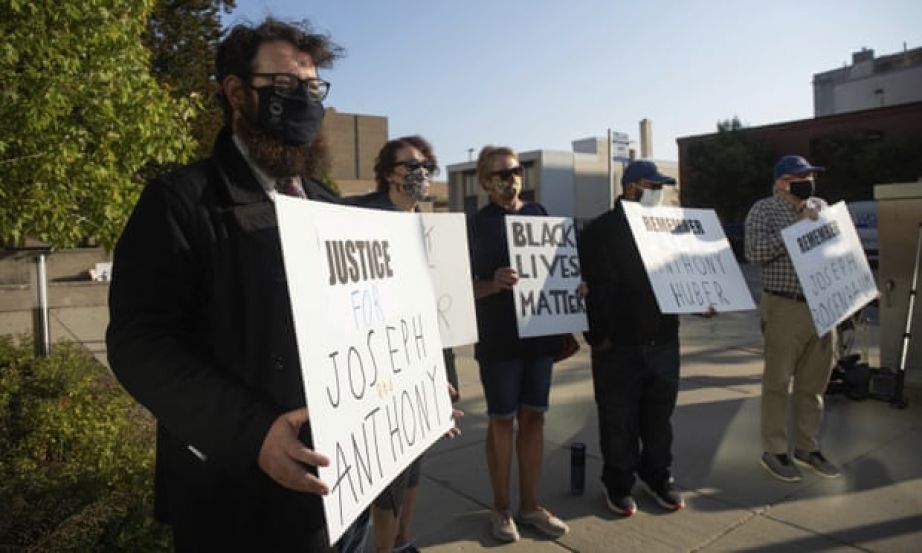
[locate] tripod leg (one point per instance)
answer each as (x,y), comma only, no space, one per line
(898,401)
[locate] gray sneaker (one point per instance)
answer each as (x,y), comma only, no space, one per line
(816,461)
(623,505)
(780,466)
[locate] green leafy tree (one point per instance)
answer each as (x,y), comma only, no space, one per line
(727,172)
(80,115)
(182,36)
(856,160)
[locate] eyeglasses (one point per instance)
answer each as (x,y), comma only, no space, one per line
(287,84)
(415,165)
(507,174)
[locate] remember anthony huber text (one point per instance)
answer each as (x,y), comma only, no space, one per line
(689,283)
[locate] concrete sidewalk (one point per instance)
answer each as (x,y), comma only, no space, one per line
(732,503)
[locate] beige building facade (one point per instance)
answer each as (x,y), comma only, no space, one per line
(869,82)
(354,142)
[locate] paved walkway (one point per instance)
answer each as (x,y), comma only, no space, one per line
(733,504)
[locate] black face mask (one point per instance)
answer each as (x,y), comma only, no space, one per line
(293,117)
(803,189)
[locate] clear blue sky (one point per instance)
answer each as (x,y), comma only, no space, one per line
(541,73)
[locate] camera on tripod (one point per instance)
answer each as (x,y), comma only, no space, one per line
(856,379)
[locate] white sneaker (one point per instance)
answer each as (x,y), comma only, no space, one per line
(504,528)
(543,521)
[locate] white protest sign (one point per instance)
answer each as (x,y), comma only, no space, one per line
(369,346)
(688,259)
(543,252)
(831,266)
(445,235)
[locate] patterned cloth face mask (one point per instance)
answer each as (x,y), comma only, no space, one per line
(509,187)
(416,184)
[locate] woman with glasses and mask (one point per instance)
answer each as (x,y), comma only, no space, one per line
(515,372)
(403,171)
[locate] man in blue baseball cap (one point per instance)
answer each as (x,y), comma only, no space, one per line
(642,182)
(635,352)
(793,351)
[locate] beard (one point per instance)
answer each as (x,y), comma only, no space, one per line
(276,158)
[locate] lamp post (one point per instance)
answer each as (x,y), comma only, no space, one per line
(41,331)
(38,280)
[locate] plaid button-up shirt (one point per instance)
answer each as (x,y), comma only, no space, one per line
(765,246)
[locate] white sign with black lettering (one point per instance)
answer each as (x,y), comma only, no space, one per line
(543,252)
(445,235)
(368,341)
(831,266)
(688,259)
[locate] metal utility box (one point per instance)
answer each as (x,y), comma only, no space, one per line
(899,216)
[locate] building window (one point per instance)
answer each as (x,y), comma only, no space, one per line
(469,178)
(529,177)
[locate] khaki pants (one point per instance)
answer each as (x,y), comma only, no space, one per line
(793,352)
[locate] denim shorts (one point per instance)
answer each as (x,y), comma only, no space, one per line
(509,385)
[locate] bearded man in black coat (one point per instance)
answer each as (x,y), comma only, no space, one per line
(200,326)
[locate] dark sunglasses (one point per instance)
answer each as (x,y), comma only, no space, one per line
(507,174)
(415,165)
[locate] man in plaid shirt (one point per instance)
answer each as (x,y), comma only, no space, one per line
(793,351)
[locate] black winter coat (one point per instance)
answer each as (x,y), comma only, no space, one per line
(201,334)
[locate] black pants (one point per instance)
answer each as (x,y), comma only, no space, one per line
(635,390)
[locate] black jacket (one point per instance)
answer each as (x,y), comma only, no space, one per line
(496,318)
(621,305)
(372,200)
(201,334)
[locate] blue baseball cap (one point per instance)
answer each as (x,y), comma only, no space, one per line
(795,165)
(643,169)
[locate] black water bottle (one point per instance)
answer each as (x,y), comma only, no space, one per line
(577,468)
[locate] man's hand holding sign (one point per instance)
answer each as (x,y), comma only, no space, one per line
(283,457)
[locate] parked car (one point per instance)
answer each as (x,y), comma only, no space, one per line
(864,215)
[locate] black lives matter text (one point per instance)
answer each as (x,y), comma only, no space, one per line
(539,265)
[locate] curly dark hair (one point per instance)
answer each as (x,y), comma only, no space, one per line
(238,49)
(387,157)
